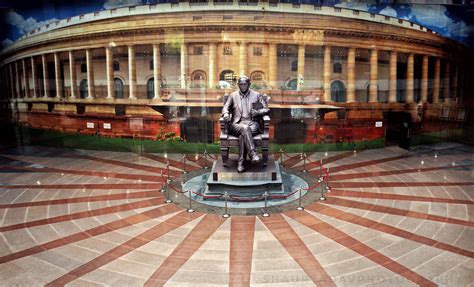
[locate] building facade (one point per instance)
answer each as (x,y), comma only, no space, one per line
(332,74)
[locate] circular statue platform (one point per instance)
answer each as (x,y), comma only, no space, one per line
(244,200)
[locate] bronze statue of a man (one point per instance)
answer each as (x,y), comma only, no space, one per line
(242,112)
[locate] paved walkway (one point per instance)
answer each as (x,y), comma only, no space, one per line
(393,218)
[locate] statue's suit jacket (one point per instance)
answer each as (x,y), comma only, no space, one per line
(233,106)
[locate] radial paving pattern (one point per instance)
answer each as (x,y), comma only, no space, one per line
(71,217)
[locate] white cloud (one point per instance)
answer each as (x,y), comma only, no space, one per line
(388,11)
(6,42)
(109,4)
(435,15)
(460,29)
(355,5)
(24,25)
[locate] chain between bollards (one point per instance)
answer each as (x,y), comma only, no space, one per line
(265,213)
(226,214)
(300,208)
(190,209)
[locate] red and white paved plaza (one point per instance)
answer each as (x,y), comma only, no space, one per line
(392,218)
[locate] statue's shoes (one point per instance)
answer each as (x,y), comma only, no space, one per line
(240,168)
(255,158)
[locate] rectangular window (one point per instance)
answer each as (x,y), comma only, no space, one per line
(228,17)
(198,50)
(257,51)
(227,50)
(196,18)
(355,12)
(372,15)
(337,9)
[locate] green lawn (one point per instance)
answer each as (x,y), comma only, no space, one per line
(92,142)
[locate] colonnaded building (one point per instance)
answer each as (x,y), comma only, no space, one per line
(331,74)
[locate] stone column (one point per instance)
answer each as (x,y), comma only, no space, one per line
(156,71)
(461,83)
(212,65)
(57,71)
(455,83)
(373,76)
(26,79)
(34,77)
(410,78)
(392,81)
(17,81)
(446,90)
(243,59)
(72,75)
(184,65)
(12,81)
(351,75)
(327,73)
(132,73)
(110,72)
(90,75)
(301,58)
(436,81)
(272,65)
(45,76)
(424,79)
(3,84)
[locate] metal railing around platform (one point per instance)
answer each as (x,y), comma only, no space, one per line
(323,177)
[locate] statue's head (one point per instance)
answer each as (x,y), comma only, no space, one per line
(244,84)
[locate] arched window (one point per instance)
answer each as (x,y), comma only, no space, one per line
(338,92)
(198,79)
(150,88)
(198,76)
(227,75)
(83,90)
(257,76)
(257,79)
(337,68)
(116,66)
(118,88)
(83,68)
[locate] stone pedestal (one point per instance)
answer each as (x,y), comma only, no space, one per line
(253,182)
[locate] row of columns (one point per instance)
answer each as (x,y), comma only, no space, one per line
(272,73)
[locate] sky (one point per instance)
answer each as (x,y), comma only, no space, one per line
(452,21)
